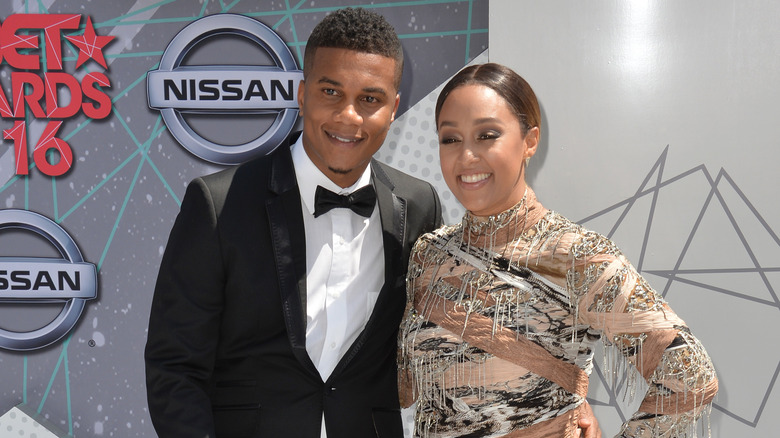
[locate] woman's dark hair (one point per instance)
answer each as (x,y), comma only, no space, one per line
(517,93)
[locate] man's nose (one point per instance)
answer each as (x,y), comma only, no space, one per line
(348,114)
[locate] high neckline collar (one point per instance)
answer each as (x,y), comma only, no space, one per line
(519,218)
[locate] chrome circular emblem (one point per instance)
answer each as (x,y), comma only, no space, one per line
(176,89)
(33,280)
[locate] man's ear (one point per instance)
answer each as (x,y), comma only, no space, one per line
(395,107)
(300,97)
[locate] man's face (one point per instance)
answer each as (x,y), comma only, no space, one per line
(347,101)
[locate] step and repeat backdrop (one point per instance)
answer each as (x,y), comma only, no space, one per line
(659,131)
(108,110)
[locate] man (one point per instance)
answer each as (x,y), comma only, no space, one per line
(274,316)
(271,317)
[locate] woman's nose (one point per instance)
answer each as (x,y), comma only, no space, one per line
(469,154)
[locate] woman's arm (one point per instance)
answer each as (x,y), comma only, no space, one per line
(646,332)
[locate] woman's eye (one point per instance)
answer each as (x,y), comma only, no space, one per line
(448,140)
(489,135)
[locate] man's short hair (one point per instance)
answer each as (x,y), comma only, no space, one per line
(356,29)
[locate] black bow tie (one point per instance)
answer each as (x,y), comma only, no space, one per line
(360,201)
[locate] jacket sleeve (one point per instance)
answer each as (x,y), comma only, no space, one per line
(644,331)
(184,321)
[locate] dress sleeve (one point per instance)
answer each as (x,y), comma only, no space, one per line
(639,324)
(417,279)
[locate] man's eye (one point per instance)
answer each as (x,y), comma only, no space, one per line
(371,99)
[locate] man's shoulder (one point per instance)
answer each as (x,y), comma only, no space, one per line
(249,180)
(252,169)
(420,196)
(398,178)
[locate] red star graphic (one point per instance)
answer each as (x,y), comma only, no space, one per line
(90,45)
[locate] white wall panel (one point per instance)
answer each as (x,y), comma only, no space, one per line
(661,130)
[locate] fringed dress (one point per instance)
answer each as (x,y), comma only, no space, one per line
(502,318)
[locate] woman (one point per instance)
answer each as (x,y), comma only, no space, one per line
(505,308)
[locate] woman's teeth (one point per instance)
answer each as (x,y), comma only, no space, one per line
(477,177)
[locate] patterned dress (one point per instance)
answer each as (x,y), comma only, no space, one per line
(502,317)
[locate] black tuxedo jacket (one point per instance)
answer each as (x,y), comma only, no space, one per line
(226,354)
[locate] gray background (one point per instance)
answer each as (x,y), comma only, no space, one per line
(662,131)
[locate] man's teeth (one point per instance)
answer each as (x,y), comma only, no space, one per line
(345,140)
(474,178)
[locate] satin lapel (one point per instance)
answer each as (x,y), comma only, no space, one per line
(289,248)
(392,212)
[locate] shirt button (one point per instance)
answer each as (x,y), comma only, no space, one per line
(332,345)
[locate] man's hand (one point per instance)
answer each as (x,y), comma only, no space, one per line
(588,425)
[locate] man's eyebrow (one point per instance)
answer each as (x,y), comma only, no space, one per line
(335,83)
(327,80)
(375,90)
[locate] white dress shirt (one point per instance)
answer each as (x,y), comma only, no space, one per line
(345,267)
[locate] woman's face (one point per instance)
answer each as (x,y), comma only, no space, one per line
(482,150)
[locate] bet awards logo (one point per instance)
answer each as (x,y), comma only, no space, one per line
(178,90)
(39,281)
(31,45)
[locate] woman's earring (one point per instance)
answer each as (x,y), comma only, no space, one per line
(527,160)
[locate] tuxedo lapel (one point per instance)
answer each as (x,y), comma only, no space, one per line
(289,250)
(392,211)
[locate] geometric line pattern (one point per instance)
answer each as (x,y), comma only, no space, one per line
(719,197)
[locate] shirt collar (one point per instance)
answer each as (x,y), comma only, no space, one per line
(309,177)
